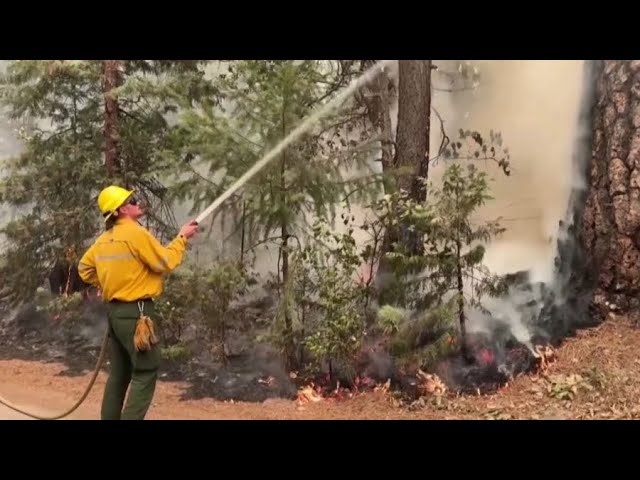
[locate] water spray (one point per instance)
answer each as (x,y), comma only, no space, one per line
(369,75)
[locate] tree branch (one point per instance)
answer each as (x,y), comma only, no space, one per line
(445,138)
(359,188)
(338,124)
(451,90)
(130,115)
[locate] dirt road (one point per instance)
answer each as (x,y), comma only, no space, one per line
(9,414)
(596,375)
(40,386)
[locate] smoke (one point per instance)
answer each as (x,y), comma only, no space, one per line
(537,107)
(535,104)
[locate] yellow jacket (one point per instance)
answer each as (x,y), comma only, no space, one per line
(127,263)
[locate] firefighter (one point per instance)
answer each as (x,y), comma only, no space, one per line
(127,264)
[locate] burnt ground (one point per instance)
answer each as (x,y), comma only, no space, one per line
(596,376)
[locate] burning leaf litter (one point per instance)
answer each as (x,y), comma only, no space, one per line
(313,393)
(308,394)
(546,356)
(430,384)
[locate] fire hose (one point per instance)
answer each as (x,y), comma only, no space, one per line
(96,371)
(366,77)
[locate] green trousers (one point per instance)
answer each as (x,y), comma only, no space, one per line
(135,371)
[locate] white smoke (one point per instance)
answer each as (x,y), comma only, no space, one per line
(536,106)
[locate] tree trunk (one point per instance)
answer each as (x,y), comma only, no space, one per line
(414,116)
(110,81)
(290,353)
(242,234)
(218,342)
(461,315)
(610,226)
(412,148)
(288,328)
(378,100)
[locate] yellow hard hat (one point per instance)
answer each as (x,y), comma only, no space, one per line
(112,198)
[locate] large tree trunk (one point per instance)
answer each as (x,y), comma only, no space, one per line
(412,149)
(414,117)
(110,80)
(610,227)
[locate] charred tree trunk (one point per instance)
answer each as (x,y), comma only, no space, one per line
(110,81)
(610,226)
(460,285)
(288,328)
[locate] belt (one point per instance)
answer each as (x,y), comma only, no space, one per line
(122,302)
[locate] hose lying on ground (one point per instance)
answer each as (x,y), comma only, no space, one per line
(96,371)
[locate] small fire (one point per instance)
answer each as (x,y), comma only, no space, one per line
(486,357)
(363,382)
(546,355)
(384,388)
(430,384)
(308,394)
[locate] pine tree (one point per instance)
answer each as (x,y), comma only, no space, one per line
(264,101)
(448,276)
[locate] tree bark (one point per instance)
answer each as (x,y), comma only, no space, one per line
(412,149)
(610,223)
(414,118)
(377,98)
(110,81)
(288,327)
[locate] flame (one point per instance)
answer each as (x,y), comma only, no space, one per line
(546,356)
(486,357)
(430,384)
(384,388)
(308,394)
(363,382)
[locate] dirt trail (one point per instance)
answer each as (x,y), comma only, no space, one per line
(597,375)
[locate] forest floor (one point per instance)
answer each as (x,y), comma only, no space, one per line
(596,375)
